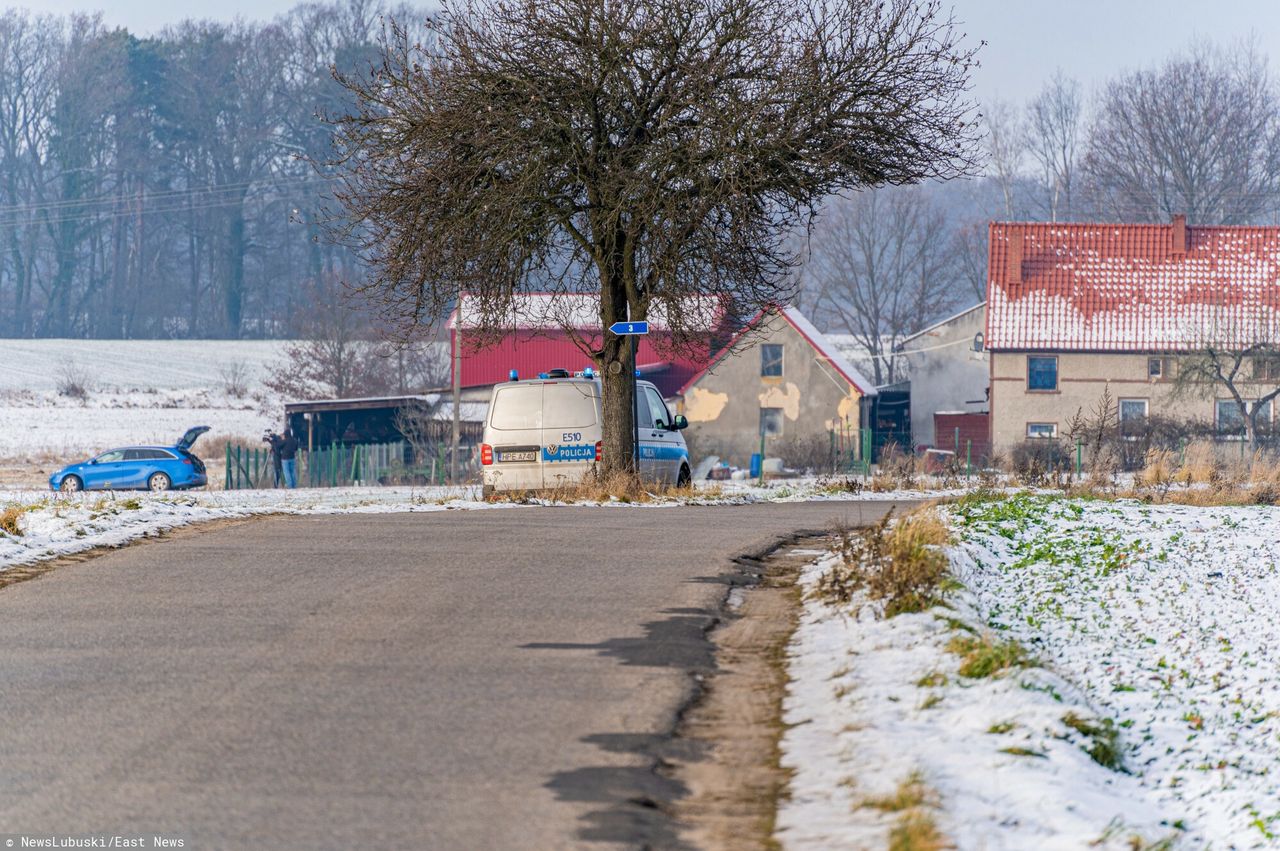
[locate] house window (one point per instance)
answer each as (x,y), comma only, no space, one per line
(1267,368)
(1155,368)
(1037,430)
(771,360)
(1229,418)
(1042,373)
(771,421)
(1133,416)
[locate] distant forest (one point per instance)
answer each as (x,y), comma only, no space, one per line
(163,187)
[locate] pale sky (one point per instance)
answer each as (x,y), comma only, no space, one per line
(1026,39)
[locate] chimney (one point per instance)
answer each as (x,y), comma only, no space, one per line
(1178,238)
(1013,255)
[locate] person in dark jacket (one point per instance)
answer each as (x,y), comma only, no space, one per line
(289,458)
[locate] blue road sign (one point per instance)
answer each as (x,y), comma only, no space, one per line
(622,329)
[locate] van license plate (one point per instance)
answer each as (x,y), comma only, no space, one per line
(517,456)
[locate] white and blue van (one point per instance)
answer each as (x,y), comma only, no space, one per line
(547,432)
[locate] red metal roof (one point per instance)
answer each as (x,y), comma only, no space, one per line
(1129,287)
(531,352)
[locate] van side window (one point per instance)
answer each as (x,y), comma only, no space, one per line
(658,415)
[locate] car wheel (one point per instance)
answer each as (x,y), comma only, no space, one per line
(486,492)
(71,484)
(685,478)
(159,482)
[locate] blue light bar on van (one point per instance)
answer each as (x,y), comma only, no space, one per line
(543,376)
(513,375)
(588,373)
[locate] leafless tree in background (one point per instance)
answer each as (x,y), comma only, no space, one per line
(1200,135)
(1005,142)
(652,152)
(1054,119)
(969,255)
(882,268)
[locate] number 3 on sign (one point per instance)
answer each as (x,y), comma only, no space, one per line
(570,436)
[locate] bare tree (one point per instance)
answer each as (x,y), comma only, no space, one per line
(1249,372)
(969,251)
(1053,136)
(882,267)
(333,357)
(1200,135)
(657,153)
(1006,150)
(341,354)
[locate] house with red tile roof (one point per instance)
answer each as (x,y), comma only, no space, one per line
(779,377)
(1076,311)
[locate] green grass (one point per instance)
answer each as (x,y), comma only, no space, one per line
(1103,739)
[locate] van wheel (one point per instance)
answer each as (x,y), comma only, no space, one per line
(486,492)
(685,479)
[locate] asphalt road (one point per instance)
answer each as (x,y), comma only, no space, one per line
(460,679)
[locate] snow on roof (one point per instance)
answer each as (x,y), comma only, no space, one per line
(828,352)
(1131,287)
(940,323)
(581,311)
(825,349)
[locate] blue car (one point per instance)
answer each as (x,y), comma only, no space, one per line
(157,468)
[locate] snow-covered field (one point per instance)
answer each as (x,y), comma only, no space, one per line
(119,365)
(1154,639)
(136,392)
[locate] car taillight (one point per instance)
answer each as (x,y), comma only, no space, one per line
(599,450)
(486,454)
(187,461)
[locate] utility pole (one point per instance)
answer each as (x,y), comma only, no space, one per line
(457,392)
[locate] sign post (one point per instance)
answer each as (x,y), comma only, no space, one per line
(633,330)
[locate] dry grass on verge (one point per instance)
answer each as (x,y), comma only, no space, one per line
(9,519)
(900,563)
(1201,477)
(617,487)
(985,656)
(915,828)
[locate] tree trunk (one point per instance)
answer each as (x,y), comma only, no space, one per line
(234,293)
(617,370)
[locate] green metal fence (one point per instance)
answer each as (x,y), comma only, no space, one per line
(339,465)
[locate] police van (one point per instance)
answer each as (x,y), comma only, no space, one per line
(547,432)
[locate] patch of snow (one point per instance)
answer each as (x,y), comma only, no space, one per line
(1163,619)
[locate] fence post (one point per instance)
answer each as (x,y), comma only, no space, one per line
(968,458)
(226,480)
(1079,452)
(761,480)
(957,440)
